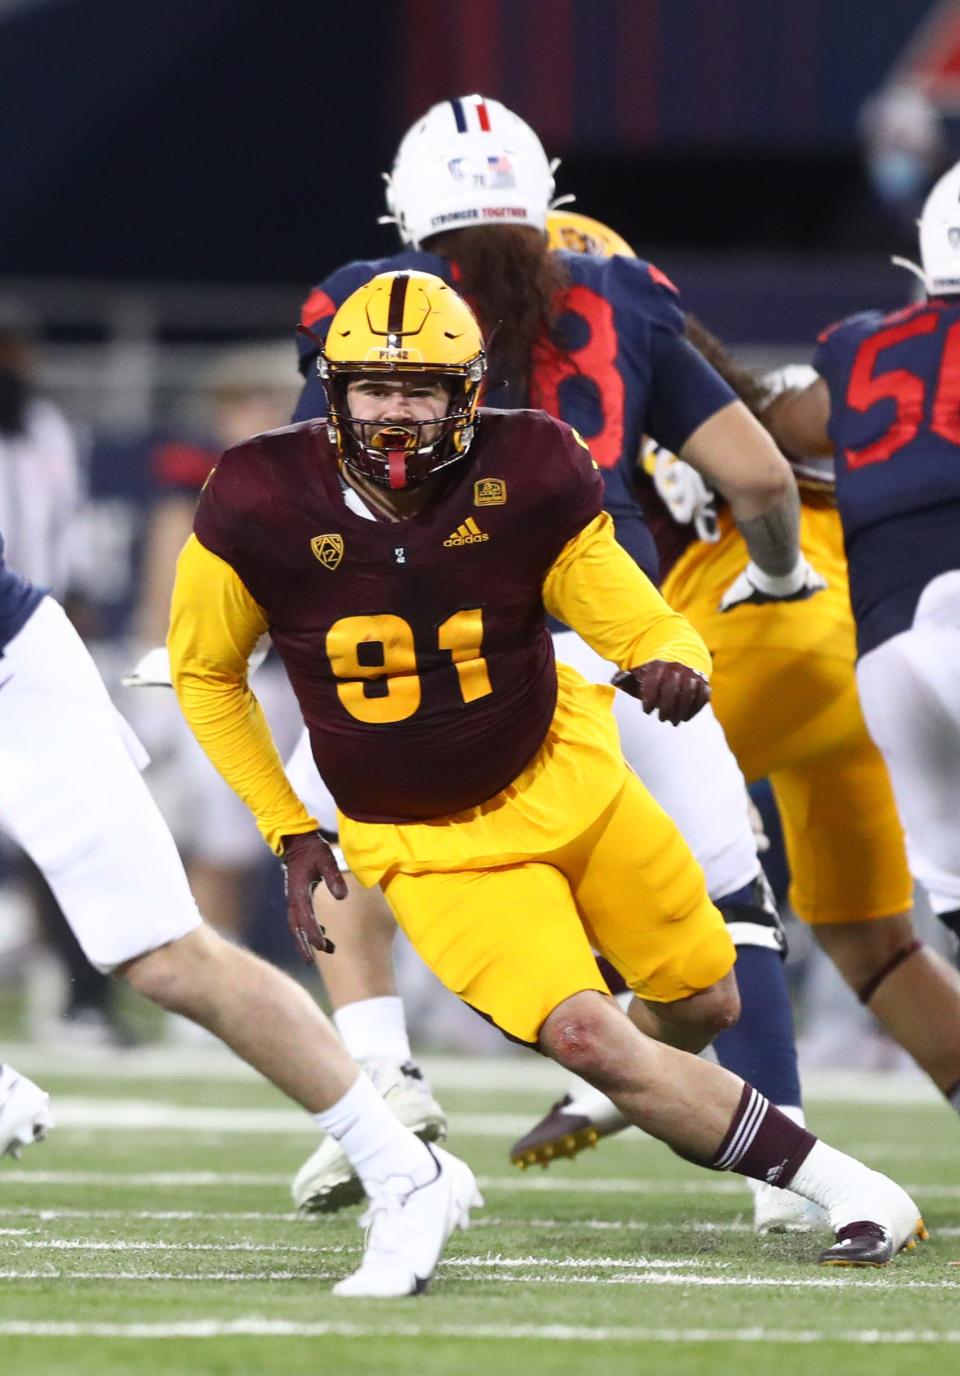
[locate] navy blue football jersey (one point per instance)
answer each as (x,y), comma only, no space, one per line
(620,368)
(18,598)
(894,385)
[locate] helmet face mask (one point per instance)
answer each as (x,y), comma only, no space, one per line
(407,332)
(468,162)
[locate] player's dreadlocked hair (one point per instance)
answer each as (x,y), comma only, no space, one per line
(748,389)
(514,284)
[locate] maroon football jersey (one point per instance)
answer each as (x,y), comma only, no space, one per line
(417,649)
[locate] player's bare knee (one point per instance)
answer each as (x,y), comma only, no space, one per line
(723,1006)
(576,1033)
(696,1020)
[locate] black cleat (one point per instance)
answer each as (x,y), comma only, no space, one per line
(562,1133)
(869,1244)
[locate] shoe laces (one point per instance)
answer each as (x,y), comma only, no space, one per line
(862,1229)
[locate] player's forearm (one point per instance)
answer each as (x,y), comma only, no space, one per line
(215,624)
(229,725)
(736,456)
(597,589)
(773,536)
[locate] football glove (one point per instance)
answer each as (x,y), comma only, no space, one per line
(753,587)
(307,862)
(675,690)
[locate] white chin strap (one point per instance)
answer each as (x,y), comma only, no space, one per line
(911,267)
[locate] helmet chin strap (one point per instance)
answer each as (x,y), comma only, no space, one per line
(911,267)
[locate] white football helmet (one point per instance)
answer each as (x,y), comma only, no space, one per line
(468,162)
(940,237)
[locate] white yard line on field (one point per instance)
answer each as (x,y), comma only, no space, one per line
(159,1215)
(539,1271)
(154,1179)
(600,1225)
(337,1249)
(510,1074)
(157,1116)
(151,1115)
(517,1182)
(255,1327)
(72,1244)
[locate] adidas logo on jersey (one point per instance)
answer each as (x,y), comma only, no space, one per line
(467,534)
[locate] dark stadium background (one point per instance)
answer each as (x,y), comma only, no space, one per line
(240,141)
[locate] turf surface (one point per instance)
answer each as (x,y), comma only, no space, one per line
(151,1233)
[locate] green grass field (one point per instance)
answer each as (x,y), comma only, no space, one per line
(152,1233)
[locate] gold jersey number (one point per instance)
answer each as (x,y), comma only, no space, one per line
(376,658)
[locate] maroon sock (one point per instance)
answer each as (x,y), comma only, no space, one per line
(762,1142)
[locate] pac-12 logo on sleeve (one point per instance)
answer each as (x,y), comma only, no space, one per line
(489,492)
(328,549)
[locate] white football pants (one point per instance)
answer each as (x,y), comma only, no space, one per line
(910,694)
(689,769)
(72,797)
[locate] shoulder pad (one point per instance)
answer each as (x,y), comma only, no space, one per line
(851,324)
(328,296)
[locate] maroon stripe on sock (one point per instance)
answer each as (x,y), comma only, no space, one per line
(767,1146)
(872,985)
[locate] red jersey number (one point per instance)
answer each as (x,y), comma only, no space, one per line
(906,389)
(596,360)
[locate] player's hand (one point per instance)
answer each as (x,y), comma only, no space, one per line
(309,861)
(753,587)
(675,690)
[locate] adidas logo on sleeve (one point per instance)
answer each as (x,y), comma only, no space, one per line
(469,533)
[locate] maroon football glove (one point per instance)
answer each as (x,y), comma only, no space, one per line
(675,690)
(309,861)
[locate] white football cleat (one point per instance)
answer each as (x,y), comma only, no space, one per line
(873,1220)
(326,1181)
(407,1228)
(782,1211)
(25,1113)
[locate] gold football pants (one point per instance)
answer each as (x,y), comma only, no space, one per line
(515,942)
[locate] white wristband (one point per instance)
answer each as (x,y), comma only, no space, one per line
(778,585)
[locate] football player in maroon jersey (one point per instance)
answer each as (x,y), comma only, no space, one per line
(480,784)
(599,342)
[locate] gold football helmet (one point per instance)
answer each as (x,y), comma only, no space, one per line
(582,234)
(402,324)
